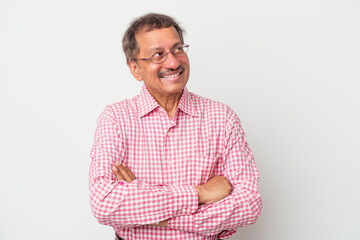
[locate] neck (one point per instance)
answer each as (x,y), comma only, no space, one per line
(169,103)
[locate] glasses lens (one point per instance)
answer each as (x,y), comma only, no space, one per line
(158,57)
(180,50)
(185,48)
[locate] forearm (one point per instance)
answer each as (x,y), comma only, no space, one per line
(216,189)
(240,208)
(137,203)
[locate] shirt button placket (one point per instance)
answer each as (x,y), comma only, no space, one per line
(167,142)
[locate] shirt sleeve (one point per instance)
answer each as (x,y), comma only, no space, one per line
(243,205)
(119,203)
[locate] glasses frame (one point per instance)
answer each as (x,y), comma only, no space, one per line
(186,46)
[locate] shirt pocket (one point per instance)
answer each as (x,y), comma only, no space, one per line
(199,169)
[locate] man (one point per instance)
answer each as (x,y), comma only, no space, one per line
(169,164)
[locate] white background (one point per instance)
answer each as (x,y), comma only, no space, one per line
(290,69)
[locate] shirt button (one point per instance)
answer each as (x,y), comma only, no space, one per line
(168,134)
(170,162)
(183,210)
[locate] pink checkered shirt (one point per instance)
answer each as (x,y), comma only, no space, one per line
(169,157)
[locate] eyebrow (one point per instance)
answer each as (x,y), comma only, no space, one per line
(161,48)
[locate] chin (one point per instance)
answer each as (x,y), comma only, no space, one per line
(175,88)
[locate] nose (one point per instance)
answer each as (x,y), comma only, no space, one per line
(171,62)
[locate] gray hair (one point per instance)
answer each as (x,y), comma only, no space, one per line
(147,23)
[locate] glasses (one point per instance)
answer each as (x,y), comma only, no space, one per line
(161,56)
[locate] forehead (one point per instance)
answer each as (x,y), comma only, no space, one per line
(157,38)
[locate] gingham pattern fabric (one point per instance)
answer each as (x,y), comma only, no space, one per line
(169,156)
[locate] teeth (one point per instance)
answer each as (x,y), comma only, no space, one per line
(171,76)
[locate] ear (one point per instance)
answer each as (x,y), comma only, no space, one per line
(134,69)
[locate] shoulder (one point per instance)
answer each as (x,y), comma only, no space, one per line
(209,107)
(120,110)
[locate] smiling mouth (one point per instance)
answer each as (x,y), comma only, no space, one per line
(172,75)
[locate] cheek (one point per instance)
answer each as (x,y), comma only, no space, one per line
(185,62)
(155,70)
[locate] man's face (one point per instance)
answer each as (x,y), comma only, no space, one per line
(163,79)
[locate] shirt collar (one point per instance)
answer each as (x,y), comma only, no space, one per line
(147,103)
(187,104)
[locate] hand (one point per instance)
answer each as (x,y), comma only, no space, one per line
(217,188)
(122,172)
(161,224)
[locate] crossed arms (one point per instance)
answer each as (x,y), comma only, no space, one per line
(214,190)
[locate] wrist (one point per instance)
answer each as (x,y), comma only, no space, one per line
(201,193)
(161,224)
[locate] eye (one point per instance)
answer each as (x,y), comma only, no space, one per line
(157,56)
(178,50)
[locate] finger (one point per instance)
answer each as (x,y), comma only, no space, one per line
(125,171)
(129,172)
(117,173)
(122,169)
